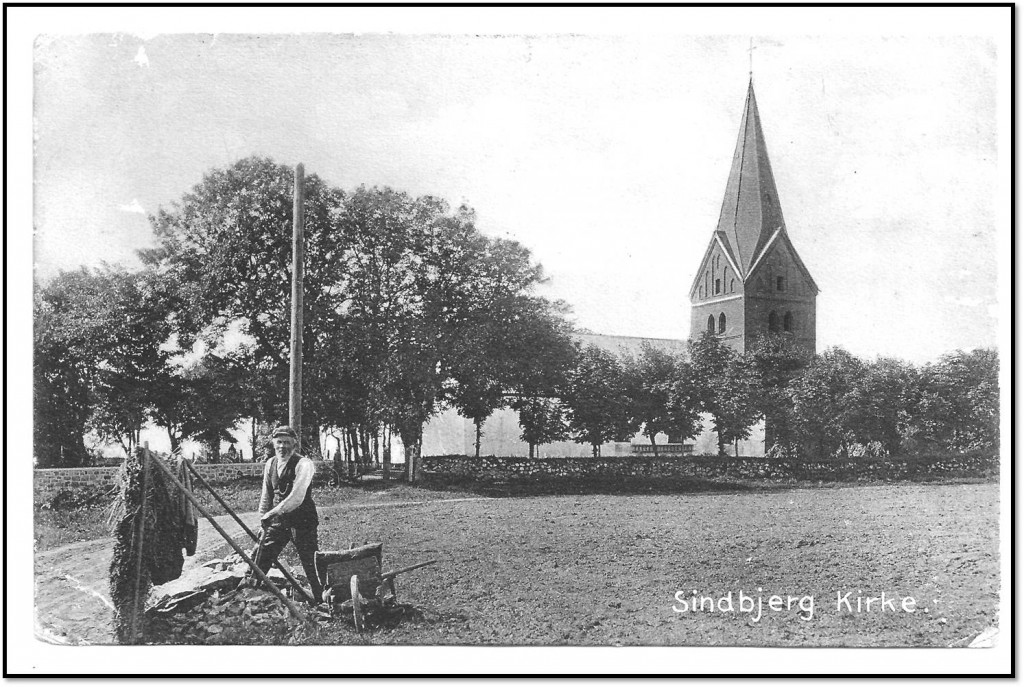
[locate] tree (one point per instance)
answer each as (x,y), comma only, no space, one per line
(649,378)
(545,354)
(224,251)
(64,363)
(517,347)
(131,356)
(733,404)
(441,311)
(542,421)
(728,388)
(98,337)
(595,396)
(959,407)
(884,402)
(823,399)
(685,400)
(776,360)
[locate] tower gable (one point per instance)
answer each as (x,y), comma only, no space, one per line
(779,259)
(718,275)
(716,296)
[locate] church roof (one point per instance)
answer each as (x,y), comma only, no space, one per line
(632,345)
(751,212)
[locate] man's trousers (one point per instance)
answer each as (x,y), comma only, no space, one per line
(304,536)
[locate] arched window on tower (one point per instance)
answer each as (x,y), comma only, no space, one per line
(773,322)
(711,324)
(732,285)
(718,286)
(721,323)
(787,322)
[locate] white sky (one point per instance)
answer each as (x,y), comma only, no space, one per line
(606,155)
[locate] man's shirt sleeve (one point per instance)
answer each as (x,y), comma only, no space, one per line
(303,478)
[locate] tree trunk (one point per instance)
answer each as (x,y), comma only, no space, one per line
(477,423)
(351,451)
(364,435)
(175,440)
(376,447)
(252,437)
(596,449)
(736,448)
(533,451)
(387,453)
(654,445)
(412,438)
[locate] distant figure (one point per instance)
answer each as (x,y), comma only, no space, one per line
(232,454)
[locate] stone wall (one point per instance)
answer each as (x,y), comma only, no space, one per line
(51,480)
(617,469)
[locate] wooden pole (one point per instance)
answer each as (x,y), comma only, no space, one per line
(295,381)
(238,549)
(252,535)
(140,538)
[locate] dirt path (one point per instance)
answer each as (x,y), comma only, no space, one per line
(72,598)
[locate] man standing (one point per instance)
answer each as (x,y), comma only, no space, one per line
(288,479)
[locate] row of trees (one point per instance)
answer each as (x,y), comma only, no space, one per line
(408,308)
(812,405)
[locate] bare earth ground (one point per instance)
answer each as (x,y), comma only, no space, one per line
(604,569)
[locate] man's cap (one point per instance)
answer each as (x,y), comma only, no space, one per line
(284,431)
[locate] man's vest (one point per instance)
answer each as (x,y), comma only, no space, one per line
(281,485)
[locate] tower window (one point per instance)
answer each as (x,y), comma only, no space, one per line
(787,322)
(732,285)
(718,286)
(711,324)
(780,283)
(721,323)
(773,322)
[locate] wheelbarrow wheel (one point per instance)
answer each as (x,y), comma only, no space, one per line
(357,603)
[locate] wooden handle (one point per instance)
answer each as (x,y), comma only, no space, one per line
(405,570)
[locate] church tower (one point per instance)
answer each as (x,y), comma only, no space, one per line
(751,280)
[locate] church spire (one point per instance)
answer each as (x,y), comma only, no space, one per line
(751,211)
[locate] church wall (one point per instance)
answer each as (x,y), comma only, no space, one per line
(448,433)
(706,442)
(759,309)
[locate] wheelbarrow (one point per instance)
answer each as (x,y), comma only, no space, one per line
(353,580)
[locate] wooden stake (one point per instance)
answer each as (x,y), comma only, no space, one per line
(139,540)
(295,381)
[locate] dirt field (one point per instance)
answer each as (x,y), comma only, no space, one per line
(605,569)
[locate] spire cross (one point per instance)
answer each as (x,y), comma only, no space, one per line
(750,51)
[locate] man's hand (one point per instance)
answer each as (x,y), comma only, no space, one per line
(267,518)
